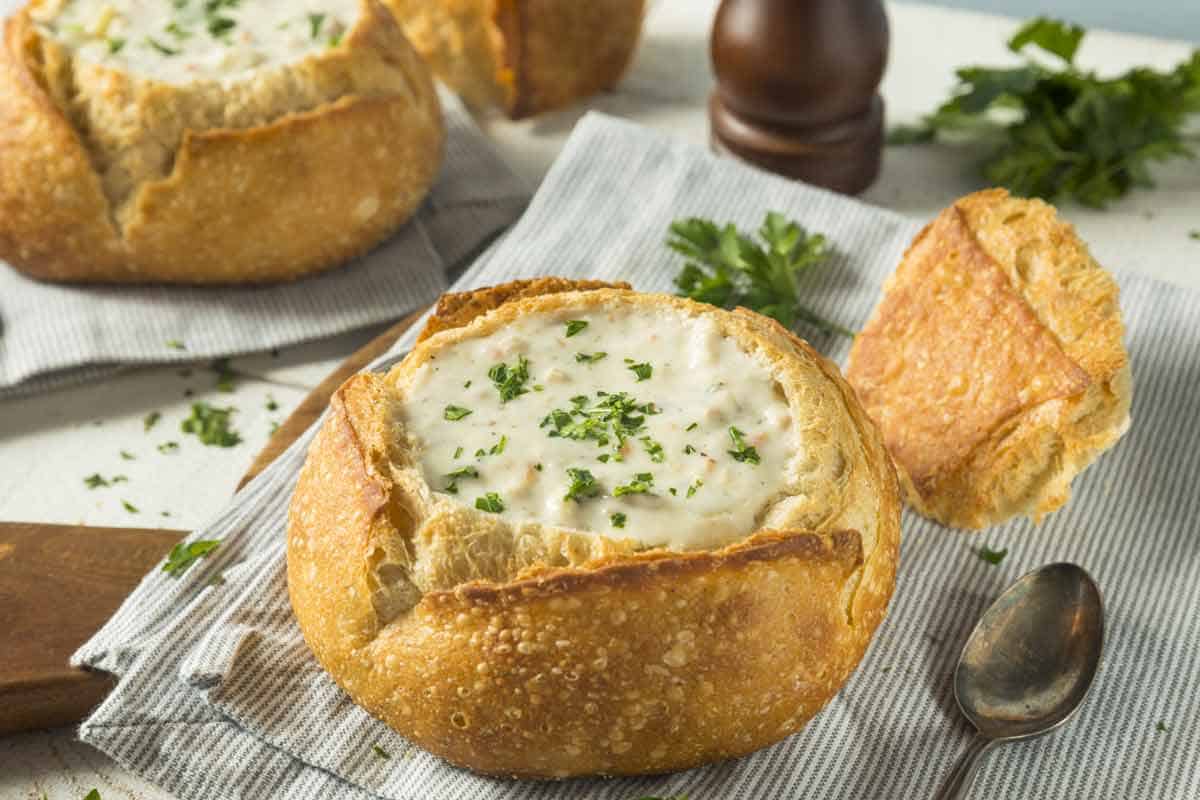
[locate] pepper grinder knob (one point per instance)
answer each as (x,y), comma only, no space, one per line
(797,88)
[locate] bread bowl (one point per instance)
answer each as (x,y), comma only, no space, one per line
(524,56)
(456,575)
(994,363)
(207,142)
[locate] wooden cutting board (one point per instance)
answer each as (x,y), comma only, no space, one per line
(60,583)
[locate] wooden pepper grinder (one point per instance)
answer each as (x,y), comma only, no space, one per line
(797,88)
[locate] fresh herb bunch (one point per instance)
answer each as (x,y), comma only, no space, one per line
(1064,132)
(726,268)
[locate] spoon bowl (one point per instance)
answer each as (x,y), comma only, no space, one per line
(1029,663)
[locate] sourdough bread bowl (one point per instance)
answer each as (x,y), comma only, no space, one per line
(994,363)
(585,531)
(208,141)
(524,56)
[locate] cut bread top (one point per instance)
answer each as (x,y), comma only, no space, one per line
(180,41)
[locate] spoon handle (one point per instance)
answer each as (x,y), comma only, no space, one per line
(963,775)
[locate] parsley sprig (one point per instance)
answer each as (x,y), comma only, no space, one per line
(510,380)
(726,268)
(583,485)
(1061,131)
(183,555)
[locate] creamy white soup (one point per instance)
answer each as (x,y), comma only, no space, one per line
(650,426)
(179,41)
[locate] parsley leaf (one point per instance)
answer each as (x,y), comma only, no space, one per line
(618,520)
(97,481)
(574,326)
(642,483)
(742,452)
(183,555)
(510,380)
(694,487)
(151,420)
(643,371)
(461,472)
(589,358)
(653,449)
(94,794)
(991,556)
(490,502)
(211,425)
(168,447)
(728,269)
(583,485)
(315,21)
(379,751)
(455,413)
(166,51)
(1161,727)
(128,456)
(1062,132)
(130,507)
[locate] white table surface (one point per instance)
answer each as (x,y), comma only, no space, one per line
(49,443)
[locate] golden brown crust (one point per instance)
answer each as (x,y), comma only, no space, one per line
(609,659)
(994,363)
(525,56)
(276,200)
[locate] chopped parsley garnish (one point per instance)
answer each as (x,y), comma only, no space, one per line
(574,326)
(603,458)
(618,520)
(183,555)
(178,32)
(642,483)
(467,385)
(211,425)
(271,404)
(455,413)
(688,449)
(127,456)
(673,491)
(643,371)
(458,452)
(510,380)
(490,502)
(692,427)
(991,556)
(94,794)
(653,449)
(695,486)
(461,472)
(499,446)
(151,420)
(742,452)
(98,481)
(168,447)
(162,48)
(589,358)
(538,467)
(612,418)
(219,26)
(130,507)
(583,485)
(379,751)
(1161,727)
(315,21)
(225,375)
(115,45)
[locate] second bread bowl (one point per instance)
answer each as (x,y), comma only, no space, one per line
(581,530)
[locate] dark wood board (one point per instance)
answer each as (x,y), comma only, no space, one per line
(60,583)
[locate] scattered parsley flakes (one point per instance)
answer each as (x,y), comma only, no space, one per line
(991,556)
(168,447)
(653,449)
(603,458)
(130,507)
(589,358)
(490,502)
(467,385)
(150,420)
(98,481)
(499,446)
(271,404)
(642,370)
(379,751)
(453,477)
(315,21)
(211,425)
(742,452)
(458,452)
(510,380)
(183,555)
(574,326)
(694,487)
(688,450)
(127,456)
(692,427)
(642,483)
(455,413)
(618,520)
(583,485)
(219,26)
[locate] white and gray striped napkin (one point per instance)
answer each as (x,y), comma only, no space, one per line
(55,335)
(219,697)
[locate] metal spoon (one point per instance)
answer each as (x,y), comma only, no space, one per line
(1028,664)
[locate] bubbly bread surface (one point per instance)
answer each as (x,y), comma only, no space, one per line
(994,363)
(179,41)
(651,424)
(540,645)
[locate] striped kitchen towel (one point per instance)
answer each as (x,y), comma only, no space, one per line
(55,335)
(219,697)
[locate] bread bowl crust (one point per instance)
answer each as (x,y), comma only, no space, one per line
(297,194)
(611,660)
(524,56)
(994,362)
